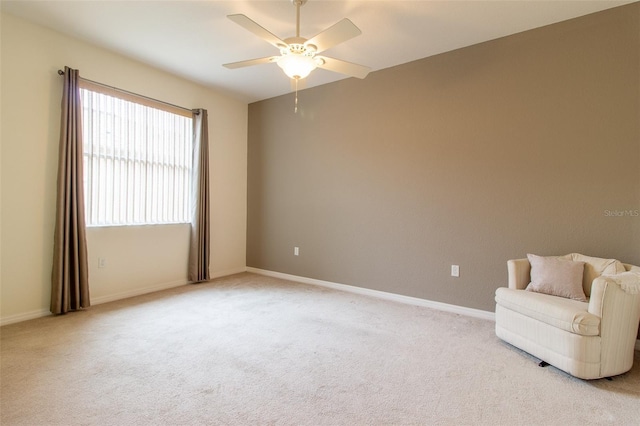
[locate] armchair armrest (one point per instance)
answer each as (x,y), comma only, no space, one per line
(519,273)
(619,314)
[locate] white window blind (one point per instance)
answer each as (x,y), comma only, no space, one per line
(137,162)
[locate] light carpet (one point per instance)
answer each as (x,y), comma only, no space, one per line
(249,349)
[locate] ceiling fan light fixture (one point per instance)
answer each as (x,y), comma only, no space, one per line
(297,66)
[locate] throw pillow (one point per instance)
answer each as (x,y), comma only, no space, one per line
(594,267)
(629,281)
(556,276)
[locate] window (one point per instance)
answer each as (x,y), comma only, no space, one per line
(137,161)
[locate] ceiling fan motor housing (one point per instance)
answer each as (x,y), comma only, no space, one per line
(298,46)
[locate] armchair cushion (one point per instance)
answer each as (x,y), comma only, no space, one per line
(594,267)
(557,276)
(565,314)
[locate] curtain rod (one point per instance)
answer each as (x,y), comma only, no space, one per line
(61,72)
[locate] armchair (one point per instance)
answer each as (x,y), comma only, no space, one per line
(588,340)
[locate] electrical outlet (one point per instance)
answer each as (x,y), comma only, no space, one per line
(455,270)
(296,251)
(102,262)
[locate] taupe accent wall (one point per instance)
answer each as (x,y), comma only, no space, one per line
(525,144)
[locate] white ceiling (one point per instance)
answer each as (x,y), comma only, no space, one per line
(193,39)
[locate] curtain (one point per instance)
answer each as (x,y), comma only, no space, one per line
(199,247)
(69,277)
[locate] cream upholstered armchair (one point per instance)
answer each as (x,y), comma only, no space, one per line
(584,321)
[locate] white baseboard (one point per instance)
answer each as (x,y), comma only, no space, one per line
(462,310)
(12,319)
(137,292)
(160,287)
(227,272)
(477,313)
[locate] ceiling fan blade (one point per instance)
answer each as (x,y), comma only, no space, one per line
(336,34)
(344,67)
(251,62)
(258,30)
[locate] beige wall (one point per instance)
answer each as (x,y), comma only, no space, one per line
(139,259)
(471,157)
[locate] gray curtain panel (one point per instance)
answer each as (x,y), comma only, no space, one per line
(69,277)
(199,247)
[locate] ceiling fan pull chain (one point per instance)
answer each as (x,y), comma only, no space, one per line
(295,108)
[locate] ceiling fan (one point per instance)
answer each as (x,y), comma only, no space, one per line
(298,55)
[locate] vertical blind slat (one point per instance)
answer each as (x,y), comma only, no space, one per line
(137,162)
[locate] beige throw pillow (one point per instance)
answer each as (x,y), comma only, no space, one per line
(594,267)
(556,276)
(629,281)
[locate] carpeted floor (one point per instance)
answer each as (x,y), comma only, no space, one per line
(249,349)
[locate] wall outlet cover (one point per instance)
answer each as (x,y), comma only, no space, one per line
(455,270)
